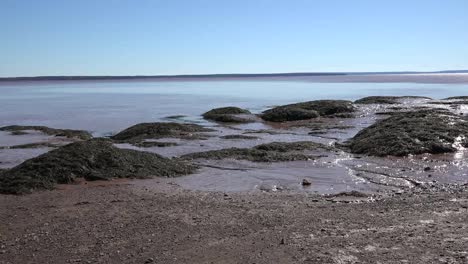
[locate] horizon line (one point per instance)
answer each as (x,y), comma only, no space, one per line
(213,75)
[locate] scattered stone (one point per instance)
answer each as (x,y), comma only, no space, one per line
(95,159)
(427,168)
(309,110)
(69,133)
(150,260)
(228,114)
(271,152)
(417,132)
(305,182)
(143,131)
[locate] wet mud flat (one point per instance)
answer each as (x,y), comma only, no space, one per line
(118,222)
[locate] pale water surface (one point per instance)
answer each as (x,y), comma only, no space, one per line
(107,107)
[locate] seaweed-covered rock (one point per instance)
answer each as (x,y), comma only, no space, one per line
(308,110)
(151,144)
(230,110)
(69,133)
(157,130)
(386,99)
(292,146)
(238,137)
(94,159)
(417,132)
(378,100)
(271,152)
(456,98)
(31,146)
(282,114)
(228,114)
(454,102)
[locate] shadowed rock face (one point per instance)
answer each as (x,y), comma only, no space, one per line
(308,110)
(271,152)
(95,159)
(417,132)
(227,115)
(386,99)
(157,130)
(69,133)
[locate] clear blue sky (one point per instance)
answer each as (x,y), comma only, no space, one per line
(128,37)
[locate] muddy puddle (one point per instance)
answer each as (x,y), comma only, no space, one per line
(331,171)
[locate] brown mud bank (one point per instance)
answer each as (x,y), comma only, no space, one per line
(122,223)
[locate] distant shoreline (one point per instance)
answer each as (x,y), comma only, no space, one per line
(446,77)
(223,76)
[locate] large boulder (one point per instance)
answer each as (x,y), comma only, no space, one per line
(416,132)
(158,130)
(308,110)
(228,114)
(69,133)
(95,159)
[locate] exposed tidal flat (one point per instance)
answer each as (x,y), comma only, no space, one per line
(246,172)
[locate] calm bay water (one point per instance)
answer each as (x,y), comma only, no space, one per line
(107,107)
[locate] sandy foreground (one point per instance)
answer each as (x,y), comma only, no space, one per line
(123,222)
